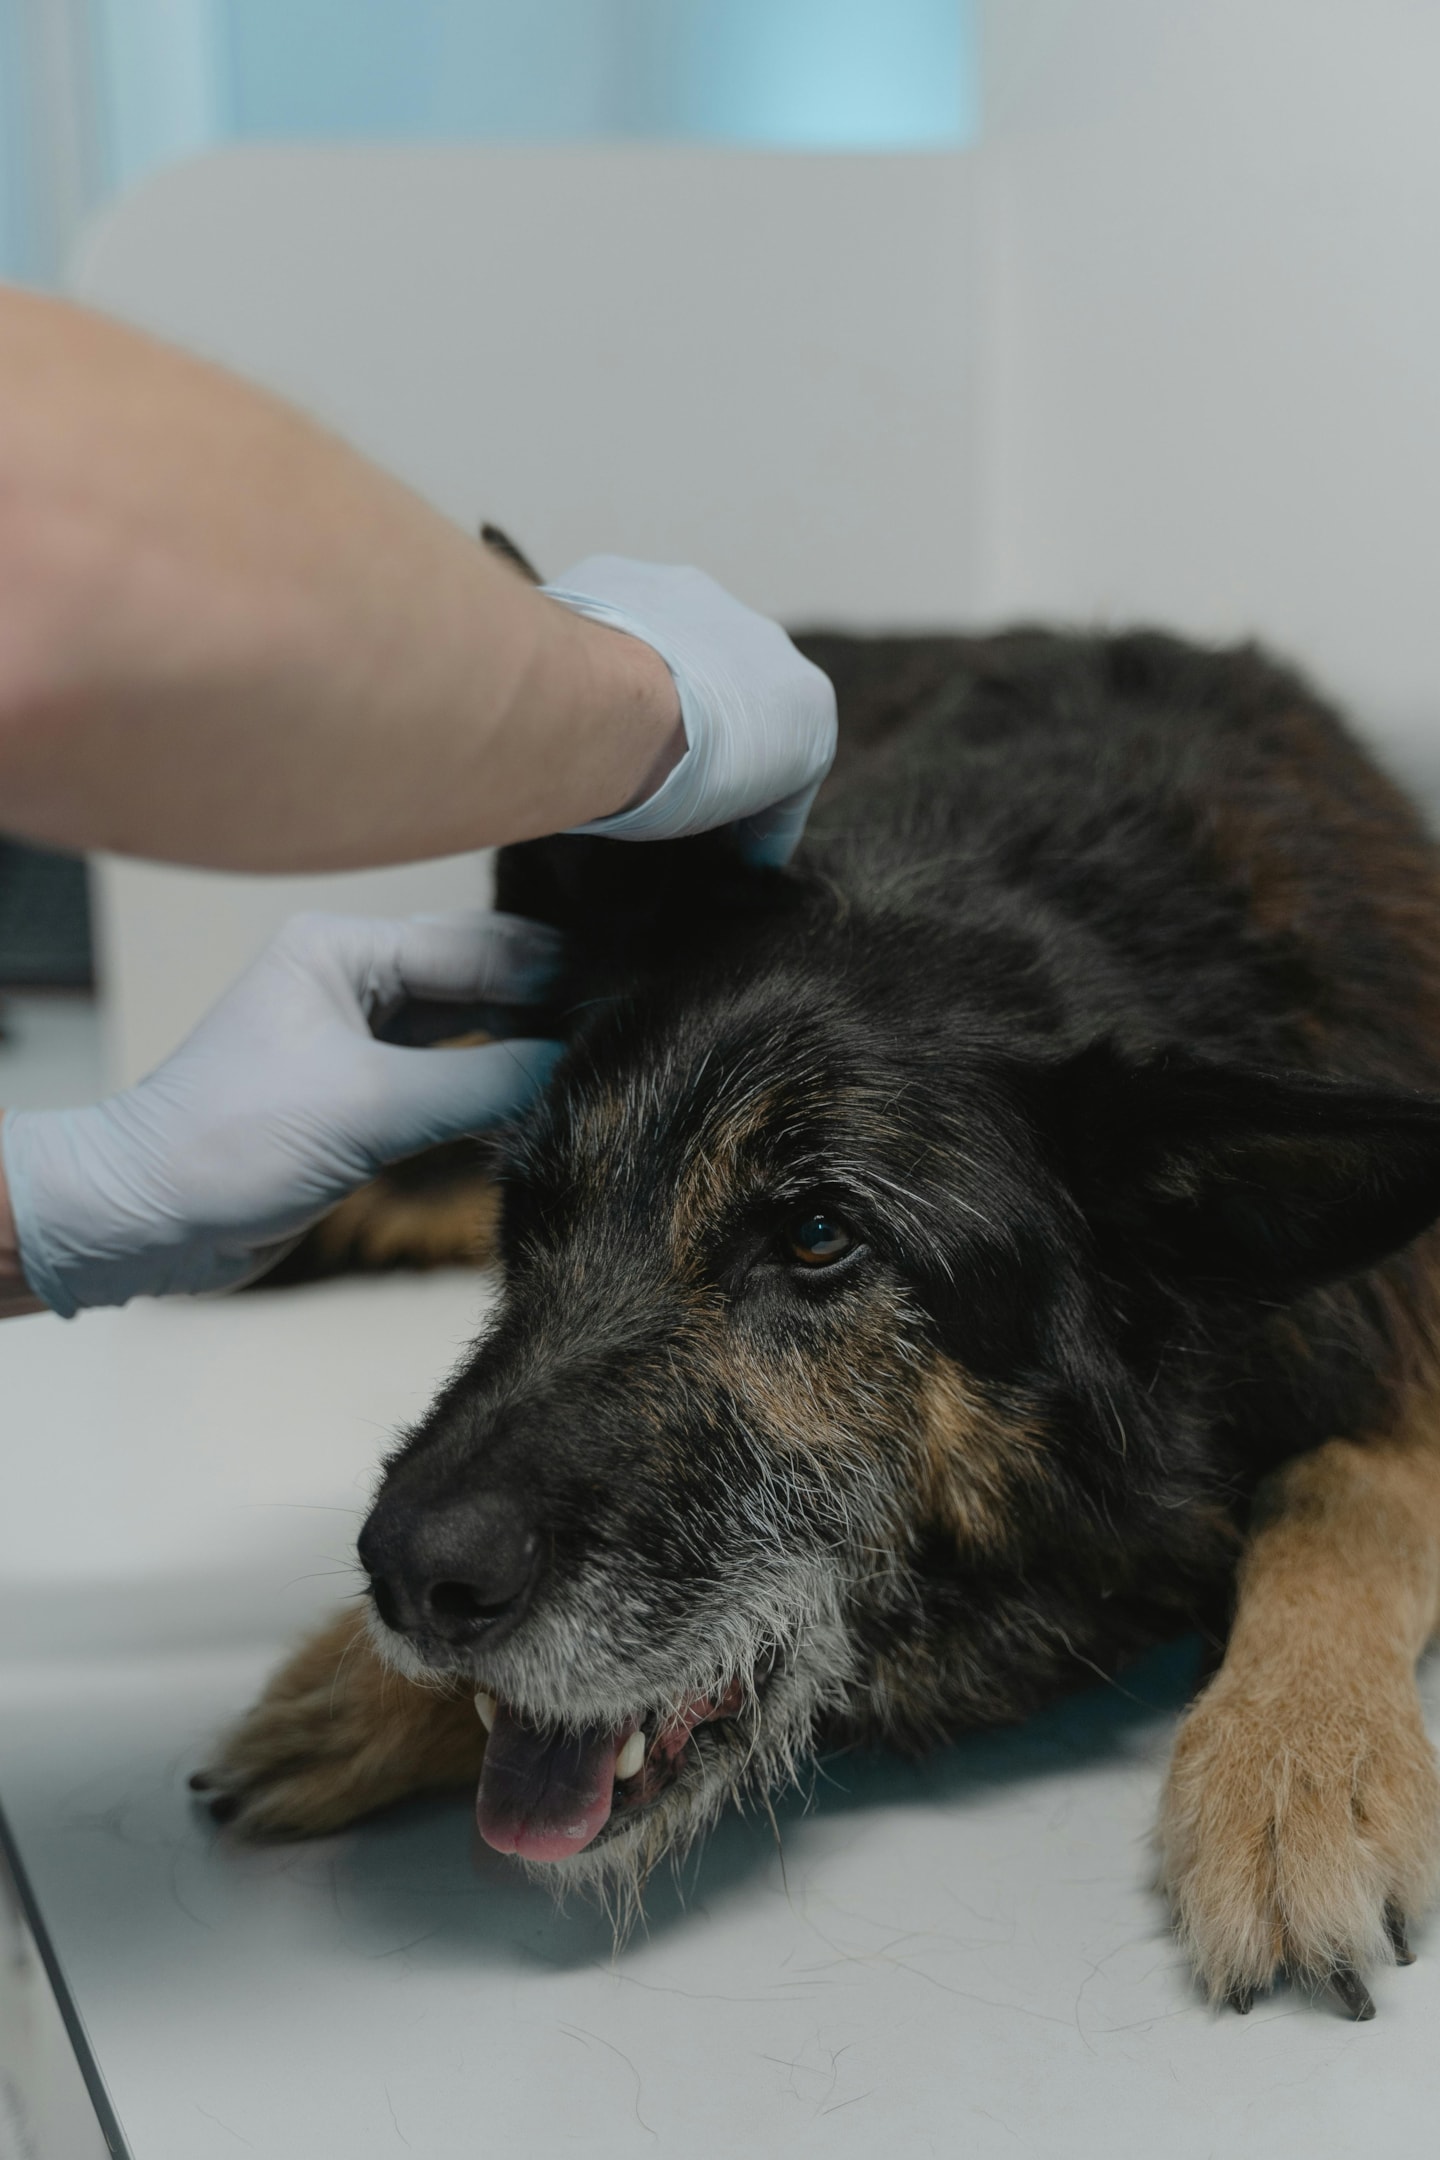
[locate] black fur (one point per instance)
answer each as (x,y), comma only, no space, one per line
(1103,1004)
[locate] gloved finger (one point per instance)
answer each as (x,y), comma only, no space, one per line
(435,1095)
(476,953)
(770,837)
(379,960)
(228,1273)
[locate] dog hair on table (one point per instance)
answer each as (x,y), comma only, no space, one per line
(938,1271)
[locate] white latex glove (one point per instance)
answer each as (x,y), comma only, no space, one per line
(278,1104)
(759,719)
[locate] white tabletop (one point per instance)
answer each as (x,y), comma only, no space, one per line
(963,1956)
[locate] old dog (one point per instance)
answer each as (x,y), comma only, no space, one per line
(939,1270)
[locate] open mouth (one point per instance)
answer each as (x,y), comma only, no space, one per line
(546,1795)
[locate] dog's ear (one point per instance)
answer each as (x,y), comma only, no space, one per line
(630,905)
(632,909)
(610,893)
(1240,1181)
(503,548)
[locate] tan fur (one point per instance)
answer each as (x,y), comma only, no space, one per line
(716,1173)
(378,1227)
(855,1403)
(970,1457)
(602,1136)
(1371,827)
(391,1222)
(337,1735)
(1303,1799)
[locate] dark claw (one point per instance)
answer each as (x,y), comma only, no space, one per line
(224,1807)
(1241,1999)
(201,1781)
(1399,1939)
(1353,1993)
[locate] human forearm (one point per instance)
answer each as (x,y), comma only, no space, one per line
(205,600)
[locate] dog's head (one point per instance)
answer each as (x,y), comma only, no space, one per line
(853,1319)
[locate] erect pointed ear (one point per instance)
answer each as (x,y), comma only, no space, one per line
(1244,1181)
(629,896)
(504,549)
(632,909)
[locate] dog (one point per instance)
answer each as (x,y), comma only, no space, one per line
(938,1271)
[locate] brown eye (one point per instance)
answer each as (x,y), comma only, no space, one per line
(817,1240)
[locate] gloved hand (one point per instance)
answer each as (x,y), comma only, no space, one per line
(279,1103)
(759,719)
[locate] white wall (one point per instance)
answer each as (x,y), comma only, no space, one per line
(761,357)
(169,940)
(1213,330)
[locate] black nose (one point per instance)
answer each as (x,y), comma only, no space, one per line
(454,1568)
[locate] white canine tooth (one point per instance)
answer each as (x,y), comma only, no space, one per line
(486,1704)
(631,1756)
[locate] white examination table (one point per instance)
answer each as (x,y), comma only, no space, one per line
(960,1957)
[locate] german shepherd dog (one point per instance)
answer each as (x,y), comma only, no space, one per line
(936,1271)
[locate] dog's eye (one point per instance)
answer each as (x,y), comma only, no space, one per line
(817,1240)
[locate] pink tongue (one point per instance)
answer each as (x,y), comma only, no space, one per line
(544,1795)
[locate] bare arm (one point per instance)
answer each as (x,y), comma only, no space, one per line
(227,639)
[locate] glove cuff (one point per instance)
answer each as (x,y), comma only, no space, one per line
(679,804)
(89,1230)
(27,1139)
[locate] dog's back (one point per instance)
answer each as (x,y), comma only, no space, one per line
(1223,864)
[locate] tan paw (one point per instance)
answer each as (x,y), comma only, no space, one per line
(1300,1830)
(439,1209)
(335,1736)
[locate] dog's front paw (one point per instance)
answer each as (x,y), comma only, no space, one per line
(1300,1830)
(335,1736)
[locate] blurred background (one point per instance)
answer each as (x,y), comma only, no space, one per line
(97,96)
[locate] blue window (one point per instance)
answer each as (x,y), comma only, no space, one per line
(135,84)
